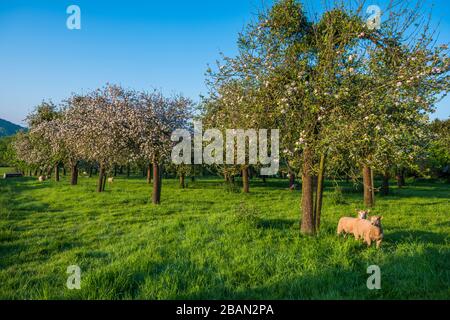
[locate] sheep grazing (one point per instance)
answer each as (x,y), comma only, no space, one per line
(346,224)
(41,178)
(369,230)
(110,180)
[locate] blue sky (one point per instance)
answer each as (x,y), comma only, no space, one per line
(139,44)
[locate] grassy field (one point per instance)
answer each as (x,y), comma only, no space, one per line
(208,241)
(6,170)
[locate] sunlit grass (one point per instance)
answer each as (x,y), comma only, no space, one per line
(208,242)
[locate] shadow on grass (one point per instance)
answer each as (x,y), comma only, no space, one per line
(424,237)
(443,224)
(417,276)
(276,223)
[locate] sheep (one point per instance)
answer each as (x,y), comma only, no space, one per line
(360,227)
(111,180)
(41,178)
(346,224)
(369,230)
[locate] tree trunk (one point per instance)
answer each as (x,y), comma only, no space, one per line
(105,176)
(90,171)
(74,174)
(57,173)
(291,179)
(115,171)
(385,184)
(400,178)
(367,182)
(193,174)
(245,183)
(307,224)
(128,171)
(101,177)
(64,170)
(319,192)
(372,187)
(149,173)
(156,194)
(264,179)
(182,184)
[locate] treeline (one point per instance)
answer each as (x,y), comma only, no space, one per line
(101,130)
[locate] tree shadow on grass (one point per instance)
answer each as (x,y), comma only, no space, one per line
(424,237)
(443,224)
(415,276)
(276,223)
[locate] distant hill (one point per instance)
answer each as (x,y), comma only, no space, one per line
(8,128)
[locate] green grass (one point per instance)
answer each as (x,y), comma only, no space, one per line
(6,170)
(207,242)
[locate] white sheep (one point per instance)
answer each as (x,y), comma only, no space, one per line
(346,224)
(41,178)
(369,230)
(111,180)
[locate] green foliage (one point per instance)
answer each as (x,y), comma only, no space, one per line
(5,155)
(337,196)
(46,111)
(231,187)
(439,149)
